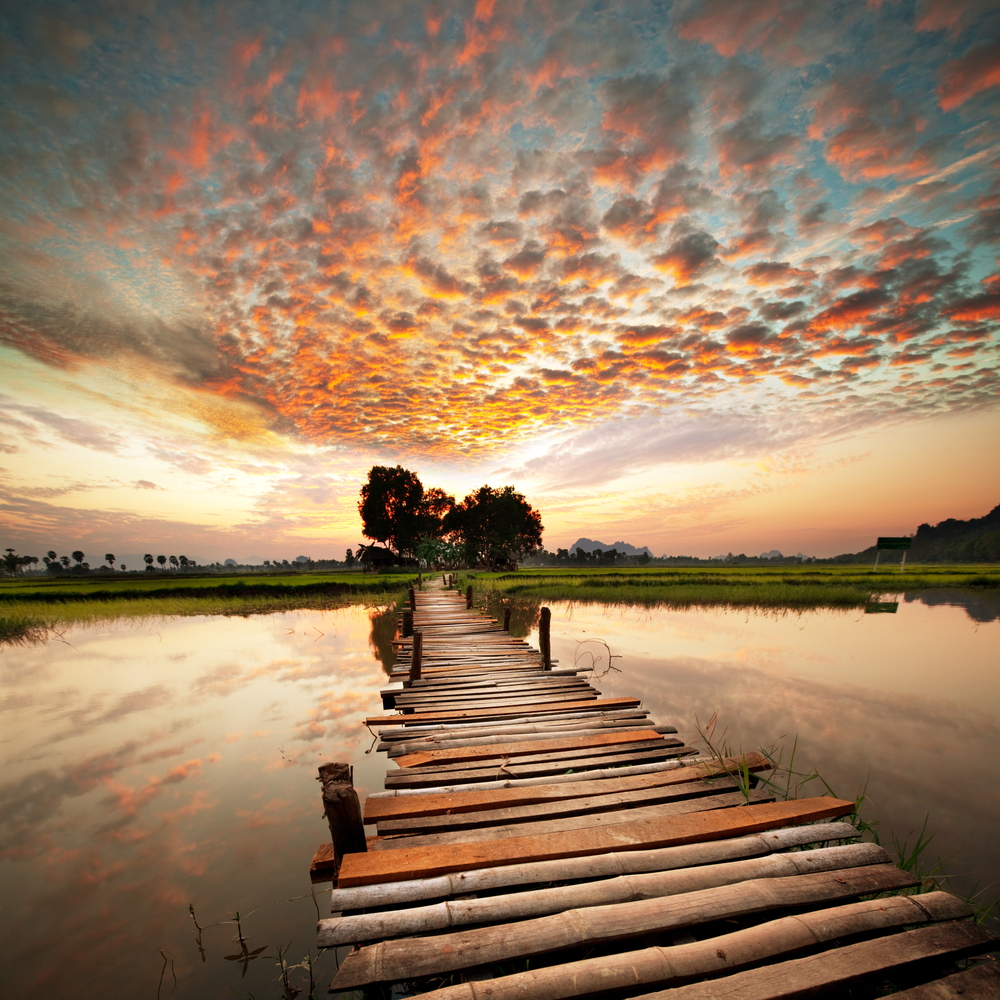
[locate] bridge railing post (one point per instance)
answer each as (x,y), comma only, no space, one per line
(544,638)
(416,655)
(343,810)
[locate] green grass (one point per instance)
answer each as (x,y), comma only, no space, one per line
(760,587)
(31,610)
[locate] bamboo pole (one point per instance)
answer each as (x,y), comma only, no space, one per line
(594,867)
(844,965)
(343,810)
(413,957)
(623,889)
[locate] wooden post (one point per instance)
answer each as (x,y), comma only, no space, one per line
(413,599)
(506,619)
(420,580)
(544,640)
(444,579)
(468,596)
(416,655)
(407,622)
(343,810)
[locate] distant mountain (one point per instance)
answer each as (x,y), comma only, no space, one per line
(588,545)
(975,540)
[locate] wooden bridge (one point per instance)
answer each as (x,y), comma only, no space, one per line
(537,841)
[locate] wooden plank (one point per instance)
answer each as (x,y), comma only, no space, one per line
(590,867)
(512,705)
(458,803)
(607,768)
(413,744)
(587,926)
(623,889)
(564,806)
(488,713)
(455,755)
(582,821)
(526,767)
(488,725)
(713,955)
(982,982)
(420,862)
(845,965)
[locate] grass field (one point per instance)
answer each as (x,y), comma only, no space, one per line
(32,608)
(806,586)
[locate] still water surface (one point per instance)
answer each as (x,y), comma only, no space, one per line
(152,766)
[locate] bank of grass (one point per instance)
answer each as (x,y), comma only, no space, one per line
(799,587)
(31,610)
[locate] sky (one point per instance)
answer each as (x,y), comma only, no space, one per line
(707,276)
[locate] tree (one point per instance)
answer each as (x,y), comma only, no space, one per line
(148,560)
(349,559)
(65,561)
(11,563)
(162,560)
(110,560)
(184,561)
(52,556)
(78,556)
(174,562)
(497,526)
(390,508)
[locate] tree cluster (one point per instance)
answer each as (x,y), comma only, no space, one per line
(494,528)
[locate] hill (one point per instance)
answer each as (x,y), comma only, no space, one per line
(975,540)
(588,545)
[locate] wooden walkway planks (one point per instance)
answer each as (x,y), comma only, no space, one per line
(609,852)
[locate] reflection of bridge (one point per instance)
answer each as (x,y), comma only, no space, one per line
(538,841)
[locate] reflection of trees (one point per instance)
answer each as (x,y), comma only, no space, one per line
(523,610)
(981,605)
(383,632)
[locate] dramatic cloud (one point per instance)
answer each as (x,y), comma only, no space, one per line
(440,232)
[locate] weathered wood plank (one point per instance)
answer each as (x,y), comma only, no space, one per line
(526,767)
(590,867)
(490,713)
(420,862)
(979,983)
(562,807)
(493,725)
(845,965)
(424,956)
(675,801)
(456,755)
(607,769)
(457,803)
(396,747)
(623,889)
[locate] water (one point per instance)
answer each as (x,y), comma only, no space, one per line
(147,767)
(906,705)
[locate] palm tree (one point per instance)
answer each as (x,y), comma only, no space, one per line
(11,562)
(148,560)
(78,556)
(65,561)
(52,556)
(183,561)
(174,562)
(162,560)
(110,559)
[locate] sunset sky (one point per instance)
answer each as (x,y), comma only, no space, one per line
(705,276)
